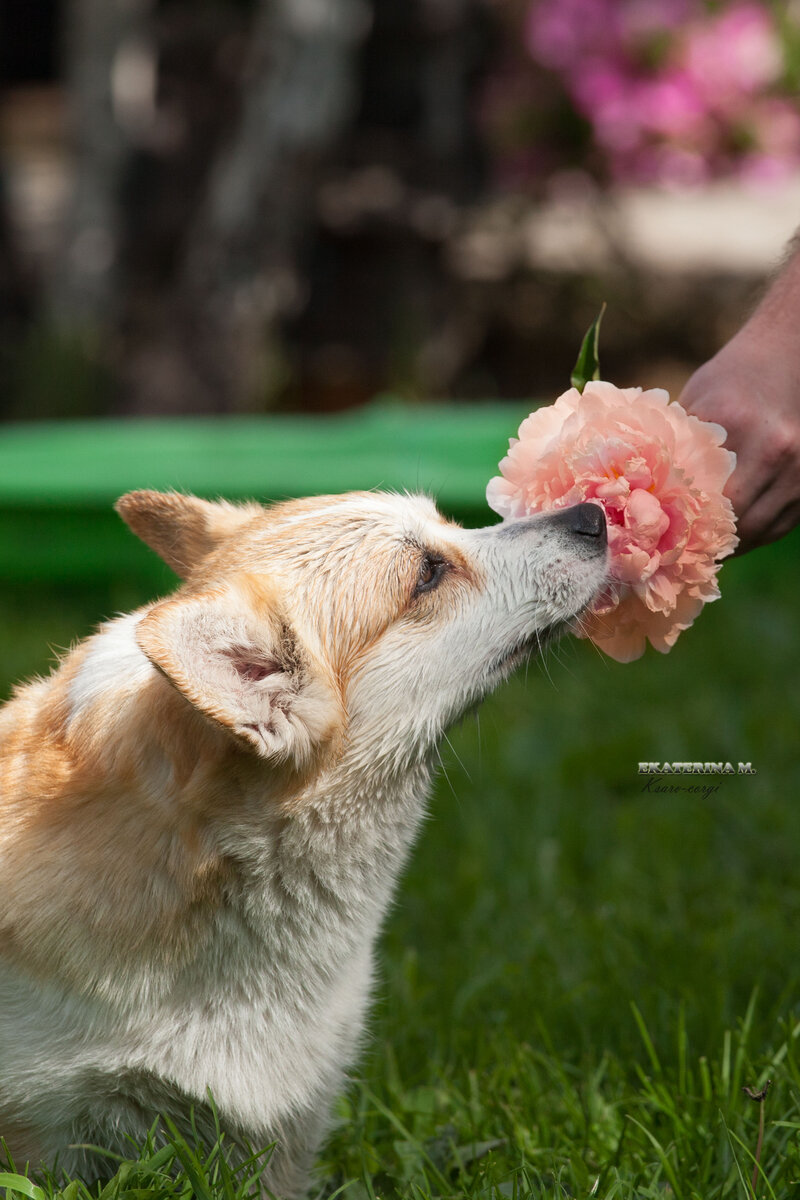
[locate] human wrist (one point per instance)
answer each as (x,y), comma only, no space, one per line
(773,325)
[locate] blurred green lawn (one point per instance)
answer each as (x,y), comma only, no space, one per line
(550,892)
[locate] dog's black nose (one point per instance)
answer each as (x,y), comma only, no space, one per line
(588,519)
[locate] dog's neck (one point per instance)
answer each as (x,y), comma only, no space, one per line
(305,865)
(334,848)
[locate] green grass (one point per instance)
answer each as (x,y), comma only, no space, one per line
(579,976)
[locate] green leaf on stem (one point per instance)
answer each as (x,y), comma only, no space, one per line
(588,365)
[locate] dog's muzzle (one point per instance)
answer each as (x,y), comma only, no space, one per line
(587,519)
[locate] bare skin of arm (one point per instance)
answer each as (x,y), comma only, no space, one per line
(752,387)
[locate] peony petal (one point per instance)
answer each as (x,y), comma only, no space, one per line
(658,472)
(645,518)
(661,593)
(502,496)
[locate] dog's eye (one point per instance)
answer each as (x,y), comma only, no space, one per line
(431,570)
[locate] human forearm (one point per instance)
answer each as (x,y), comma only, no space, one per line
(752,387)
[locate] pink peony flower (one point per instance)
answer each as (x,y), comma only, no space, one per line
(734,54)
(558,33)
(658,474)
(674,91)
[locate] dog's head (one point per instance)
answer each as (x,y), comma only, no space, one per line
(363,619)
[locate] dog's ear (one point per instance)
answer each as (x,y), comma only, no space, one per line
(182,530)
(244,668)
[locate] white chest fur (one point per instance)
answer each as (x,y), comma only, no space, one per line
(267,1015)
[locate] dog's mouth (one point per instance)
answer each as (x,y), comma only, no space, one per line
(532,644)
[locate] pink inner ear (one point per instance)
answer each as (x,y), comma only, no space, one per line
(249,666)
(255,671)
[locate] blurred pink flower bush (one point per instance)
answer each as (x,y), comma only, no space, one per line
(658,474)
(672,92)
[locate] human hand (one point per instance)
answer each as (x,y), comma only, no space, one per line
(752,387)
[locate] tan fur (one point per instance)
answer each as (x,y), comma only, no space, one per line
(182,529)
(64,783)
(204,808)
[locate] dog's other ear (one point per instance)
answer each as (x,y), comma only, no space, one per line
(243,667)
(183,530)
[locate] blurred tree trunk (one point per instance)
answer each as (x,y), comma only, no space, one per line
(207,343)
(447,71)
(85,281)
(15,290)
(180,250)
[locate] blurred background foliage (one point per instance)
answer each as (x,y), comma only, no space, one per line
(227,206)
(292,206)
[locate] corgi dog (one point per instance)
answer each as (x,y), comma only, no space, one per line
(205,808)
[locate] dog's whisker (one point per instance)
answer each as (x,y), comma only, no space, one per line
(444,772)
(456,755)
